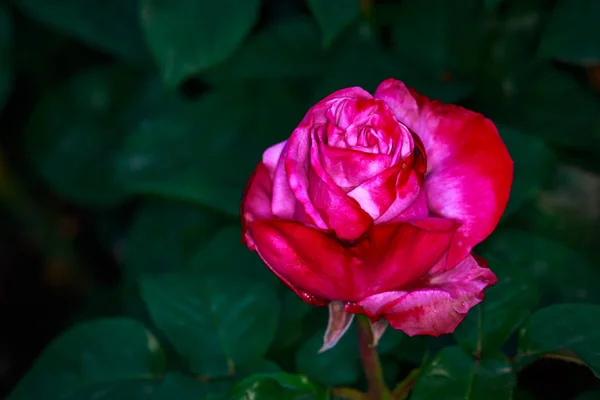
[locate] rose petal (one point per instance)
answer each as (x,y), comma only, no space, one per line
(296,172)
(389,257)
(469,170)
(435,309)
(337,325)
(376,195)
(340,212)
(272,155)
(256,202)
(410,203)
(397,255)
(283,202)
(305,258)
(400,100)
(349,168)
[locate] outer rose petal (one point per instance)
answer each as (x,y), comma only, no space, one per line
(256,203)
(469,170)
(391,256)
(435,309)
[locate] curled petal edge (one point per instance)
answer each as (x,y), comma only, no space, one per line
(434,309)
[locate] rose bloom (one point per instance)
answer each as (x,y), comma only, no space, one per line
(373,205)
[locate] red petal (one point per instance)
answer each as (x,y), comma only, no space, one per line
(349,168)
(340,212)
(256,202)
(390,256)
(469,169)
(305,258)
(435,309)
(396,255)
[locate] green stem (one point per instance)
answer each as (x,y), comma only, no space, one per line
(347,394)
(402,389)
(370,360)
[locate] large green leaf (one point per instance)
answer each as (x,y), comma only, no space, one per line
(111,25)
(571,34)
(448,40)
(166,235)
(505,307)
(280,386)
(190,36)
(334,16)
(346,66)
(530,172)
(567,329)
(544,109)
(360,43)
(284,49)
(6,56)
(206,152)
(506,69)
(454,375)
(75,129)
(174,385)
(224,253)
(290,329)
(214,322)
(544,260)
(338,366)
(101,352)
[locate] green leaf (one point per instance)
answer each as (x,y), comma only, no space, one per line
(530,172)
(285,49)
(505,307)
(104,351)
(507,68)
(181,387)
(544,260)
(338,366)
(448,40)
(165,236)
(6,56)
(214,322)
(224,135)
(75,129)
(334,16)
(568,329)
(225,254)
(354,47)
(545,106)
(360,43)
(189,36)
(454,375)
(174,385)
(280,386)
(110,25)
(290,329)
(571,34)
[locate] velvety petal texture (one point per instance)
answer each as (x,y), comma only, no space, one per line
(373,205)
(436,305)
(469,170)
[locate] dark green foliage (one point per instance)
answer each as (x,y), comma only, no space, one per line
(128,129)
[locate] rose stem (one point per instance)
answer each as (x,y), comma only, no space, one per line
(370,360)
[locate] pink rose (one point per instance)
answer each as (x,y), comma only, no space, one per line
(373,206)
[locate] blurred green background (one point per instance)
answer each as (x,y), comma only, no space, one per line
(129,127)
